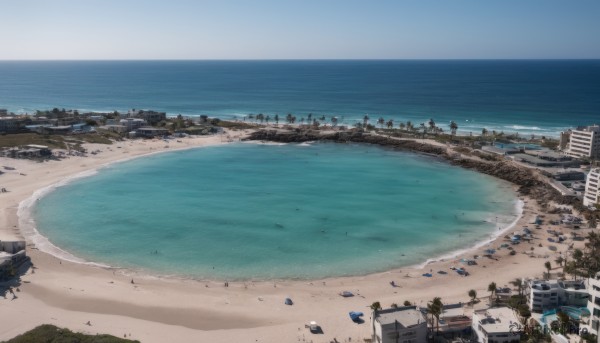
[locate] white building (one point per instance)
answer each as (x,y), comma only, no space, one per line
(593,306)
(548,295)
(584,142)
(132,124)
(399,325)
(152,117)
(496,325)
(592,188)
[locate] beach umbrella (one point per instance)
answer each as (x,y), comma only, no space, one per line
(289,301)
(355,316)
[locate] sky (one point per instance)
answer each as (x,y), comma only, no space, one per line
(299,29)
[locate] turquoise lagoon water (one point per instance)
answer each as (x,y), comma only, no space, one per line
(250,211)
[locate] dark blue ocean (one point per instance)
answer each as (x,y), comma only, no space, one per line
(539,97)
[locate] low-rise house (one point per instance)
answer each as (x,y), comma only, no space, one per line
(132,124)
(9,124)
(454,322)
(152,117)
(402,324)
(28,151)
(150,132)
(12,256)
(496,325)
(569,175)
(114,128)
(56,130)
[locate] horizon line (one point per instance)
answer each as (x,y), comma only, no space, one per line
(297,59)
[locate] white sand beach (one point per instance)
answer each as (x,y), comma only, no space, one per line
(152,309)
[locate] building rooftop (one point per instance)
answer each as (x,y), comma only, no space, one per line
(496,320)
(589,128)
(573,285)
(407,316)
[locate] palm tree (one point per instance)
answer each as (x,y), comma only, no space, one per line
(559,260)
(267,118)
(409,126)
(548,266)
(309,118)
(453,127)
(390,123)
(431,125)
(260,117)
(365,120)
(288,118)
(518,282)
(431,310)
(381,121)
(492,289)
(402,126)
(484,132)
(473,295)
(563,321)
(376,306)
(334,121)
(277,119)
(437,309)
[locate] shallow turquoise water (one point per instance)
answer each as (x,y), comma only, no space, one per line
(249,211)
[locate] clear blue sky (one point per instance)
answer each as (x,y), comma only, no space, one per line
(299,29)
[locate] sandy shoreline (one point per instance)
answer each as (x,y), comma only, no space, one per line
(159,309)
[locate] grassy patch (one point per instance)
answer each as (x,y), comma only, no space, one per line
(54,141)
(52,334)
(235,125)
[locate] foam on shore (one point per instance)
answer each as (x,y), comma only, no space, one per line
(28,228)
(519,205)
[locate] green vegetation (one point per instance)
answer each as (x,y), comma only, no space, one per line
(492,289)
(52,141)
(548,267)
(236,125)
(473,295)
(585,263)
(376,306)
(435,309)
(51,334)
